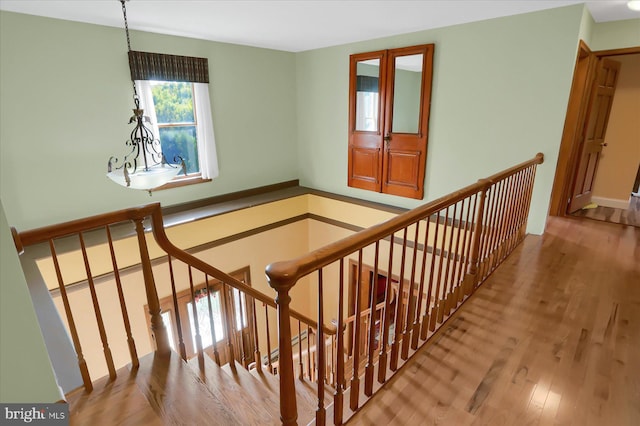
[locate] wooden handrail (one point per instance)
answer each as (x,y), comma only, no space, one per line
(294,269)
(284,275)
(46,233)
(165,244)
(153,210)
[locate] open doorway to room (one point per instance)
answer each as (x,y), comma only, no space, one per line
(599,160)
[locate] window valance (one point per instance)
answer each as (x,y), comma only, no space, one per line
(365,83)
(159,66)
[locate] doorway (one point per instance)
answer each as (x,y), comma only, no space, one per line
(222,314)
(575,164)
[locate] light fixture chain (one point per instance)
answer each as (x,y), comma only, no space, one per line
(136,98)
(126,24)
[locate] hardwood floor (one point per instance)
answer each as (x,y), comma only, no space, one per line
(551,338)
(630,216)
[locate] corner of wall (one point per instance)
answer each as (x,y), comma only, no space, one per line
(25,368)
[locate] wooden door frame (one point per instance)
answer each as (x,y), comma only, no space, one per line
(577,110)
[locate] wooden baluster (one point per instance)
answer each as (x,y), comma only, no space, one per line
(135,362)
(176,310)
(229,324)
(309,358)
(523,207)
(96,310)
(464,252)
(288,407)
(355,378)
(423,273)
(311,345)
(266,321)
(497,225)
(426,326)
(256,354)
(508,206)
(451,258)
(333,358)
(196,323)
(406,338)
(397,325)
(158,330)
(384,327)
(320,352)
(467,281)
(488,232)
(240,322)
(368,371)
(338,397)
(82,364)
(300,364)
(214,340)
(515,212)
(527,202)
(437,296)
(472,274)
(442,297)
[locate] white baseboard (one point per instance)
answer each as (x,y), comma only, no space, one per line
(611,202)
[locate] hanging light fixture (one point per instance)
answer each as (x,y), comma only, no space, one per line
(144,167)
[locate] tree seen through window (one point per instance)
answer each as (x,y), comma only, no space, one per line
(173,102)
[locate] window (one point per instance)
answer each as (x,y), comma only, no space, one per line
(176,120)
(389,98)
(174,92)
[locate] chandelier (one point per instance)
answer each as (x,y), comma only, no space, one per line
(144,167)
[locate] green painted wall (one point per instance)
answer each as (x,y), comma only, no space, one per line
(25,370)
(66,99)
(615,35)
(500,92)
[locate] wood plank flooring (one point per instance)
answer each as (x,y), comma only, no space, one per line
(630,216)
(551,338)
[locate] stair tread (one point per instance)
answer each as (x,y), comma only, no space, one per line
(241,401)
(263,395)
(177,394)
(306,394)
(133,408)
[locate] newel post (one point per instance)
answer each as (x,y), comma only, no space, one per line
(282,282)
(158,330)
(471,278)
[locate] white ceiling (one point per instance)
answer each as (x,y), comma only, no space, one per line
(296,25)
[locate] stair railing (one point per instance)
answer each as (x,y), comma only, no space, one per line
(433,256)
(86,243)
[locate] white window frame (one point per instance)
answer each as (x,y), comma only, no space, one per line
(207,158)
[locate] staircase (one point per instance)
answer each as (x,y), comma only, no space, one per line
(166,390)
(431,260)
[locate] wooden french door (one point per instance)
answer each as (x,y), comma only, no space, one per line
(592,139)
(389,99)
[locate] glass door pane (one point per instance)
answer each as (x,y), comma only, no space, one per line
(367,95)
(204,320)
(407,89)
(166,319)
(240,309)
